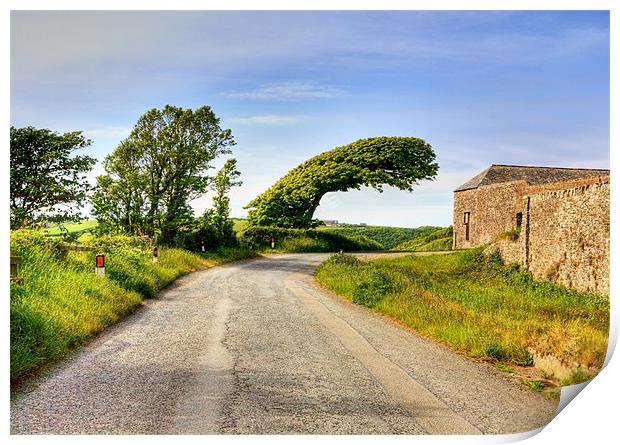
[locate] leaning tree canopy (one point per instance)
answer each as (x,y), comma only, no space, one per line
(395,161)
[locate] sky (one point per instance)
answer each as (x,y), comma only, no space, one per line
(482,87)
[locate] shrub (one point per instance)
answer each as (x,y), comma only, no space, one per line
(341,259)
(495,350)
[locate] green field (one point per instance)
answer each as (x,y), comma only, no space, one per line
(55,229)
(478,306)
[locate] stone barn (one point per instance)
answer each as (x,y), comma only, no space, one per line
(555,220)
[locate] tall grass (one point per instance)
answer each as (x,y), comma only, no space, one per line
(62,303)
(478,306)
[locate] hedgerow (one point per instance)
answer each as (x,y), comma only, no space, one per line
(304,240)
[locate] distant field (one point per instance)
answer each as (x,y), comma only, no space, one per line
(72,227)
(388,237)
(440,239)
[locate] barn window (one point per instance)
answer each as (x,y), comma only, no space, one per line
(519,220)
(466,222)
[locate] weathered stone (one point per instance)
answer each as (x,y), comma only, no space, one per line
(564,231)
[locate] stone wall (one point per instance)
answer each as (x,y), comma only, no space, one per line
(569,236)
(565,234)
(493,209)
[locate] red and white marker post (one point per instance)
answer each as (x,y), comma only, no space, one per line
(100,265)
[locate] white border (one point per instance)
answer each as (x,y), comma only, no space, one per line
(590,418)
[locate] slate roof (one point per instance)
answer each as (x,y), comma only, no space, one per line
(497,173)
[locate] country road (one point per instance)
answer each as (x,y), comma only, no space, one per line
(256,347)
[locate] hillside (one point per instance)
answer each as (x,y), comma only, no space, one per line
(439,239)
(388,237)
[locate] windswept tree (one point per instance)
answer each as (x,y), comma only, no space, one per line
(159,169)
(375,162)
(47,182)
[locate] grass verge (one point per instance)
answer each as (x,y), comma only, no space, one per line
(477,306)
(62,304)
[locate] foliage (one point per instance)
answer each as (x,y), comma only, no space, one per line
(477,305)
(224,180)
(202,231)
(47,182)
(303,240)
(388,237)
(536,385)
(576,377)
(511,235)
(62,303)
(154,173)
(239,224)
(395,161)
(437,240)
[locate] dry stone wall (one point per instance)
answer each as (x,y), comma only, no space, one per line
(565,234)
(569,236)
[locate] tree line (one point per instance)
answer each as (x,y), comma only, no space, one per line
(153,175)
(149,181)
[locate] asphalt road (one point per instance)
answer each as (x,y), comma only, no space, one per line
(256,347)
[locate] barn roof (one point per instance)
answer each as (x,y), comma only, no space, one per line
(498,173)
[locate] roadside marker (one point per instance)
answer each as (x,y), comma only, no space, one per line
(155,254)
(100,265)
(202,245)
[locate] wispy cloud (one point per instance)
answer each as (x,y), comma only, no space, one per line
(270,119)
(289,91)
(113,132)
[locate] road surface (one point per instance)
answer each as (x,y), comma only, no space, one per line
(257,347)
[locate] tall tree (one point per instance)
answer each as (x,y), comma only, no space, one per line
(395,161)
(47,182)
(225,179)
(161,167)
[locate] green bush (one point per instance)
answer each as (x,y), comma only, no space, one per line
(341,259)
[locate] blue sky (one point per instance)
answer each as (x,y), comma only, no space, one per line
(528,88)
